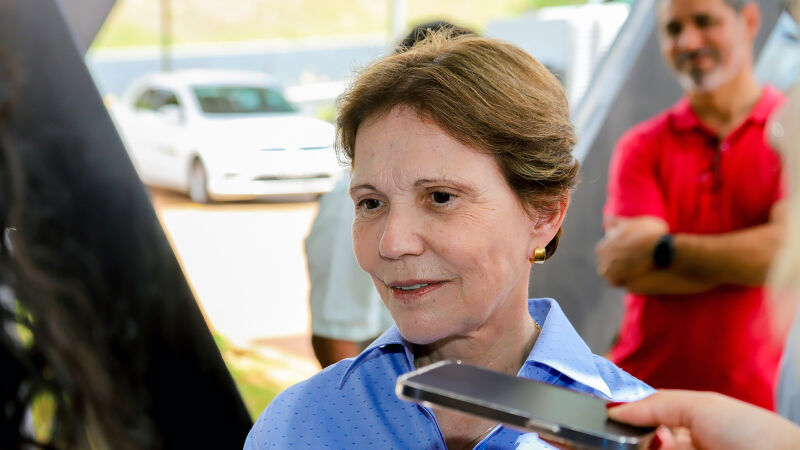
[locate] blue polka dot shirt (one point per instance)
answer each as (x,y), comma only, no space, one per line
(352,404)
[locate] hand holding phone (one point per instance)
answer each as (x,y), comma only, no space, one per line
(555,413)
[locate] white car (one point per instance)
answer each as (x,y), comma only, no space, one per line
(222,135)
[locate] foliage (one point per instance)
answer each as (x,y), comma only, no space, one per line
(251,373)
(138,22)
(534,4)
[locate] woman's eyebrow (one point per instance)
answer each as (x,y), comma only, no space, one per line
(356,187)
(460,185)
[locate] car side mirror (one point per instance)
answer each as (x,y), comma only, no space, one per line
(171,114)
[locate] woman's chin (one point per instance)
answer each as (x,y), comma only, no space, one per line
(426,330)
(419,337)
(420,334)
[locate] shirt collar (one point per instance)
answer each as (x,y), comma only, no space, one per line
(390,340)
(558,347)
(685,119)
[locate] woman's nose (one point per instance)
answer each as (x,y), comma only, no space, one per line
(401,235)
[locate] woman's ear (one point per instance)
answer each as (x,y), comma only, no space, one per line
(548,223)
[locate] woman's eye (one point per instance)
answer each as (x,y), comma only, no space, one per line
(441,197)
(369,204)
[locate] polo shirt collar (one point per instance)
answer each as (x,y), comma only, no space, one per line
(558,347)
(685,119)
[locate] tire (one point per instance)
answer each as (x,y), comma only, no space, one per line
(198,183)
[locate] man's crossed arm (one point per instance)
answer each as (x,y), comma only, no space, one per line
(700,262)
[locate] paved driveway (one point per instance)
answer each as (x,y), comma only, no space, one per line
(246,264)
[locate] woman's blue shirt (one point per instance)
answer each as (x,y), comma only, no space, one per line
(352,404)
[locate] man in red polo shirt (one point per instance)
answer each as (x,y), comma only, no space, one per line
(693,216)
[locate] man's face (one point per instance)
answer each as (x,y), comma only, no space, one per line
(706,42)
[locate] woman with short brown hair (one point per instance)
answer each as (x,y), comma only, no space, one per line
(460,150)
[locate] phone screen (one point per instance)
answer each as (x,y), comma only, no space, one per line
(520,402)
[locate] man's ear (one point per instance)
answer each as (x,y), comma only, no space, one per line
(751,13)
(547,225)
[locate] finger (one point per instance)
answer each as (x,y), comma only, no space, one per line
(662,439)
(683,439)
(670,408)
(598,248)
(610,222)
(602,268)
(558,445)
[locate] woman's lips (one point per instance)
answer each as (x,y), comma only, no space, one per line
(414,290)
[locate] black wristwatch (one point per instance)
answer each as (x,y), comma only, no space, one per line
(664,252)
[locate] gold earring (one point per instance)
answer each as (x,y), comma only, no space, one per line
(539,255)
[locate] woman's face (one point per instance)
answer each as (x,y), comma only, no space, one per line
(438,229)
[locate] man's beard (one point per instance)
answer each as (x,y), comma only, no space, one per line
(698,79)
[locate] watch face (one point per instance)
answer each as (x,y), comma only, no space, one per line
(663,252)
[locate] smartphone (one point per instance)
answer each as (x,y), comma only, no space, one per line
(557,414)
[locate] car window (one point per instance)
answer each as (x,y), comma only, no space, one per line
(168,98)
(241,100)
(145,100)
(152,99)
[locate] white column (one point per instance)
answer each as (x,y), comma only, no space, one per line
(398,19)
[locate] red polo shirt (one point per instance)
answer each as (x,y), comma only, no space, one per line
(673,167)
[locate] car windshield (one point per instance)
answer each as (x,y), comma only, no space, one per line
(241,100)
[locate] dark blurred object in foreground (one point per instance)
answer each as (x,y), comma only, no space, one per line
(99,324)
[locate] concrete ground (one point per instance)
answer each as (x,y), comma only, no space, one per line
(246,265)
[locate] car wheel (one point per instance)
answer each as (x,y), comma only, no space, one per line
(198,183)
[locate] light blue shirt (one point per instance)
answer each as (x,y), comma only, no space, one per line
(352,404)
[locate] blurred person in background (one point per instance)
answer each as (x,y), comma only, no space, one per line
(346,311)
(461,157)
(712,421)
(694,214)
